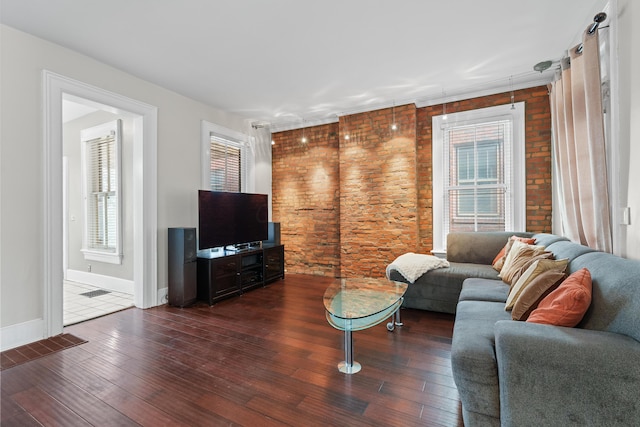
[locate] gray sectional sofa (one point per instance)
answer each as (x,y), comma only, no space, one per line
(515,373)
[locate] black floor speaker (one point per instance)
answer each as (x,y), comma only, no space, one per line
(274,233)
(182,270)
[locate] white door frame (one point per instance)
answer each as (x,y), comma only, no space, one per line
(145,215)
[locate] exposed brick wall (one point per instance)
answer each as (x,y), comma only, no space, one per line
(305,199)
(378,218)
(349,207)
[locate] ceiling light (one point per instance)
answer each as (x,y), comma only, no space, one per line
(393,121)
(304,138)
(346,129)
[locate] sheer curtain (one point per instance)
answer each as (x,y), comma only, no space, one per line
(579,147)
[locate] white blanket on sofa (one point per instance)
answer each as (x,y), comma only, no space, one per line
(412,266)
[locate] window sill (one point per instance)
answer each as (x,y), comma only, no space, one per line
(440,253)
(105,257)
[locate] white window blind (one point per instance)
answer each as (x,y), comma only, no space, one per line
(228,159)
(476,170)
(225,165)
(101,166)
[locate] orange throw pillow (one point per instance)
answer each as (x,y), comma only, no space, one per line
(567,304)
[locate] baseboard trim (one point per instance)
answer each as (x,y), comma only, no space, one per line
(20,334)
(163,296)
(113,284)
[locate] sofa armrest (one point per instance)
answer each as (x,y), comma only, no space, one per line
(552,375)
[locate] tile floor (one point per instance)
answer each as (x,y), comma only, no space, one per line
(35,350)
(78,308)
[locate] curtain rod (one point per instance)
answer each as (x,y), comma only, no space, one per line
(600,17)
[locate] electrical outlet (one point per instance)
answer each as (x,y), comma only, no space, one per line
(626,216)
(89,268)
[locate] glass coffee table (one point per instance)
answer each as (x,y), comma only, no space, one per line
(357,304)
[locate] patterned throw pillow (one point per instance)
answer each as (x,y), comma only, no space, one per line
(534,292)
(538,267)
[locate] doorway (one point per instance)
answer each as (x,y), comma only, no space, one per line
(97,147)
(144,128)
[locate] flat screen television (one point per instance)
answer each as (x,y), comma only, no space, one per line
(231,218)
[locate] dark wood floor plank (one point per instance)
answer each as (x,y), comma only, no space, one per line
(47,410)
(285,413)
(268,357)
(137,409)
(22,419)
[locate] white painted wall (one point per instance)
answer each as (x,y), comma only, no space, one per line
(629,62)
(23,58)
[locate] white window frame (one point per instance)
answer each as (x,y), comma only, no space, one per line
(516,176)
(87,136)
(235,139)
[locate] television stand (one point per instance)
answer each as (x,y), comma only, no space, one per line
(224,274)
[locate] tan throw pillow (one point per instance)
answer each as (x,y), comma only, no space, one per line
(535,269)
(535,292)
(498,261)
(518,252)
(522,263)
(516,245)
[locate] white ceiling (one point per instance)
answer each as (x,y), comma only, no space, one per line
(284,61)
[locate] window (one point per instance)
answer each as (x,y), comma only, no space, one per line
(225,165)
(227,161)
(478,172)
(101,192)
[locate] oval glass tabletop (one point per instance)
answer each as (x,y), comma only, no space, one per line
(355,304)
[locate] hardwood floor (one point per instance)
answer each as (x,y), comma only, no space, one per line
(267,358)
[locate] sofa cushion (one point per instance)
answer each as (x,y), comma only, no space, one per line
(438,290)
(566,305)
(615,302)
(566,249)
(478,247)
(545,239)
(535,292)
(473,358)
(475,289)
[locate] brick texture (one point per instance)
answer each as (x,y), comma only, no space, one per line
(378,218)
(349,207)
(305,199)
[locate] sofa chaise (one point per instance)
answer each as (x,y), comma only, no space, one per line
(519,373)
